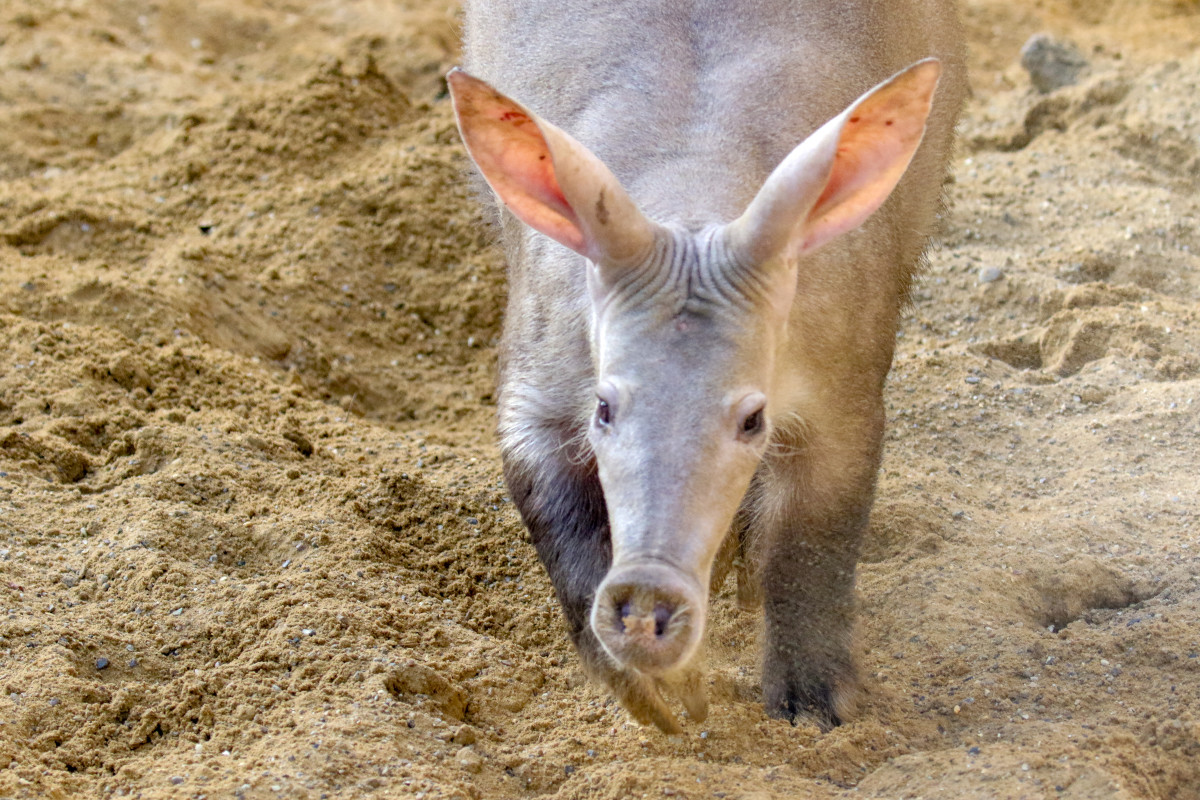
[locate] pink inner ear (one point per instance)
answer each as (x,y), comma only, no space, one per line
(507,145)
(874,148)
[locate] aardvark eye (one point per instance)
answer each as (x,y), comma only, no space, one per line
(603,412)
(753,423)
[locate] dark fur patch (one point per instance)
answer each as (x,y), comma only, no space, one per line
(562,505)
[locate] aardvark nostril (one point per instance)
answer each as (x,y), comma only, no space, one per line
(662,615)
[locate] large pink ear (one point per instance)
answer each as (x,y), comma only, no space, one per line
(839,175)
(546,178)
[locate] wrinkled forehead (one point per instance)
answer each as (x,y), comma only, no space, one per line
(687,273)
(689,312)
(687,309)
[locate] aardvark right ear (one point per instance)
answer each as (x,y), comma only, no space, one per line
(547,179)
(839,175)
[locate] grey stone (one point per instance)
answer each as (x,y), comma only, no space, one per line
(990,274)
(1051,63)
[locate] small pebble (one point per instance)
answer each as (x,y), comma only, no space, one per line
(176,779)
(101,663)
(1051,64)
(990,274)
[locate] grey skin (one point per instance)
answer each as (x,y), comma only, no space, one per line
(711,232)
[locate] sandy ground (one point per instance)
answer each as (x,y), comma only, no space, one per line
(253,539)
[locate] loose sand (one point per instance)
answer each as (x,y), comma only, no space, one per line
(253,539)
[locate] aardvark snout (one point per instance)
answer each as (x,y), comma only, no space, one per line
(649,616)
